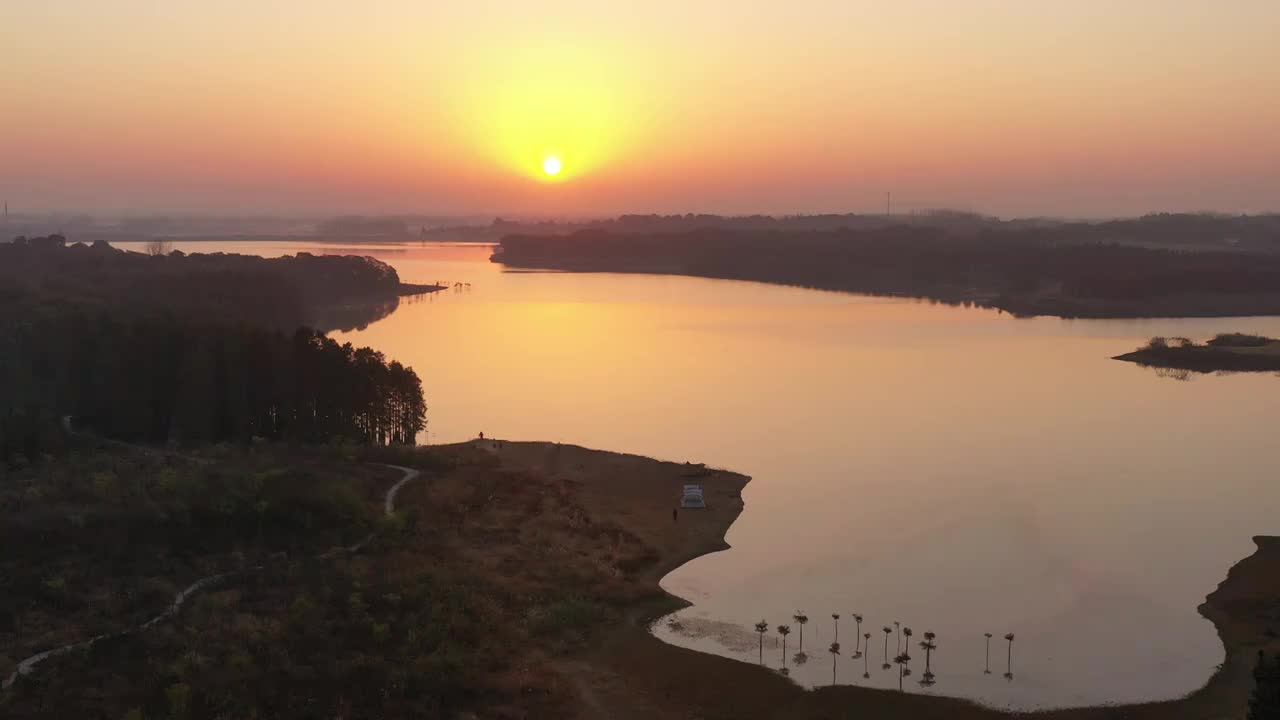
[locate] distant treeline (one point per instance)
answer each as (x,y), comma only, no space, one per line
(1028,271)
(281,293)
(1253,233)
(355,227)
(169,381)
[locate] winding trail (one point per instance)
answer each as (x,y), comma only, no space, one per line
(27,666)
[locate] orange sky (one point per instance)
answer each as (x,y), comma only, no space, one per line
(1014,108)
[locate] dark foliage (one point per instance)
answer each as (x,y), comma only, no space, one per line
(165,381)
(1238,340)
(1264,703)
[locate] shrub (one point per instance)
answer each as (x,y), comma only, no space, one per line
(1238,340)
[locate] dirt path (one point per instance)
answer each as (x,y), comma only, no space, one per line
(27,666)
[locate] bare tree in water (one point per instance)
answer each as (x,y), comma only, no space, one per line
(762,627)
(158,246)
(887,632)
(866,657)
(928,645)
(801,619)
(1008,674)
(988,670)
(784,631)
(857,649)
(906,651)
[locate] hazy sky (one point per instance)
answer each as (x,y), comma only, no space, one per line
(1016,107)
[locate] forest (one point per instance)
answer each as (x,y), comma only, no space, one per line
(184,351)
(1026,271)
(280,293)
(171,382)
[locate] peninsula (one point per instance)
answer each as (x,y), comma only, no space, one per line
(1026,270)
(276,293)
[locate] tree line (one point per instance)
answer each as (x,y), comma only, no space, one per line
(1026,271)
(165,380)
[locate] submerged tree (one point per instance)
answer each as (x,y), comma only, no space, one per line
(901,661)
(887,632)
(988,670)
(762,627)
(836,618)
(801,619)
(784,631)
(835,651)
(857,649)
(1009,666)
(866,657)
(928,645)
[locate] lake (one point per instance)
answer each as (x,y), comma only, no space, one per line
(954,469)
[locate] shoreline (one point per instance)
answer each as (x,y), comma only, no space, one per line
(410,289)
(1027,305)
(632,673)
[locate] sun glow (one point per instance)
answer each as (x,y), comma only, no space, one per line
(552,112)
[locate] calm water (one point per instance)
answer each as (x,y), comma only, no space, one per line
(953,469)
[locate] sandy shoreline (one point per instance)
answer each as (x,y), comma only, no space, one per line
(632,674)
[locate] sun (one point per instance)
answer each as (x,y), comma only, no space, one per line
(551,165)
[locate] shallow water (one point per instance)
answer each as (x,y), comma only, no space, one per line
(954,469)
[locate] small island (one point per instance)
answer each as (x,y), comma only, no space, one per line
(1227,352)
